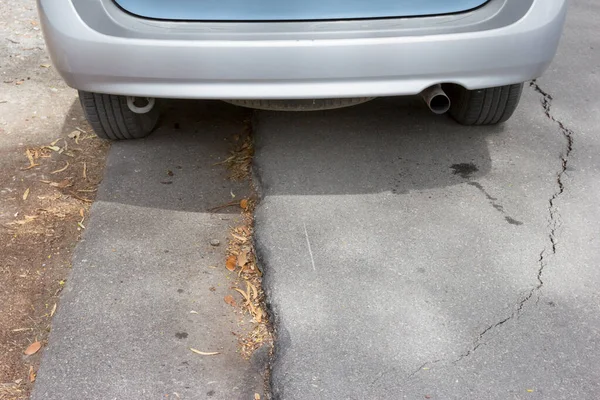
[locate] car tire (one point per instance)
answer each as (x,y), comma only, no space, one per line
(111,118)
(483,106)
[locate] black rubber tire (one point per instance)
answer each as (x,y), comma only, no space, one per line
(489,106)
(111,119)
(300,105)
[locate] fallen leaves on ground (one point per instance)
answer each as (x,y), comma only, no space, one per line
(61,185)
(242,259)
(240,161)
(230,300)
(204,353)
(231,262)
(32,348)
(61,169)
(40,231)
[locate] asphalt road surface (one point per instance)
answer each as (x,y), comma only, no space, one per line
(405,256)
(409,257)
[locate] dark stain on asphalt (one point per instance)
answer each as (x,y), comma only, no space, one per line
(465,170)
(211,393)
(494,203)
(487,195)
(179,290)
(512,221)
(181,335)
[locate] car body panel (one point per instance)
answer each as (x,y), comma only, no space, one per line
(290,10)
(97,47)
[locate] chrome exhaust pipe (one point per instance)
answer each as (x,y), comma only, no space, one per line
(436,99)
(148,105)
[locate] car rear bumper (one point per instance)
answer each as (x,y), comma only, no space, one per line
(99,48)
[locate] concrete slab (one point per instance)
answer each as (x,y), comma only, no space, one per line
(146,284)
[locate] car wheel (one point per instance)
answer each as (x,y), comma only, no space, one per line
(483,106)
(112,119)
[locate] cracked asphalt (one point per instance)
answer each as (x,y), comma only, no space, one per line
(404,256)
(408,257)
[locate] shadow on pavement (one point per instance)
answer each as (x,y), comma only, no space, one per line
(388,145)
(176,166)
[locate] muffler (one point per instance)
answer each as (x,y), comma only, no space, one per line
(436,99)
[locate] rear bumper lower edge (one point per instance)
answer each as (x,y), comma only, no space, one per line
(296,69)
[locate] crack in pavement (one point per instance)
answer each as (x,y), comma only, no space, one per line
(412,374)
(553,224)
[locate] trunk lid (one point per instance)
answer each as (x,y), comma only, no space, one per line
(291,10)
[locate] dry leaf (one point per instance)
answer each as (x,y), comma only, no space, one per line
(52,147)
(242,258)
(31,158)
(254,290)
(81,212)
(244,204)
(74,135)
(33,348)
(240,238)
(19,83)
(61,185)
(22,329)
(204,353)
(256,396)
(231,263)
(53,310)
(31,374)
(26,194)
(258,315)
(45,65)
(230,300)
(60,170)
(243,293)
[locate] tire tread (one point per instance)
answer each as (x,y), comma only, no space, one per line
(111,118)
(484,106)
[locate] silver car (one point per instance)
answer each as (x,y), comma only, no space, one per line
(465,57)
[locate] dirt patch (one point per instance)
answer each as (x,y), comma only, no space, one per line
(46,191)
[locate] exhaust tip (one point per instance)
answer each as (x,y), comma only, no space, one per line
(436,99)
